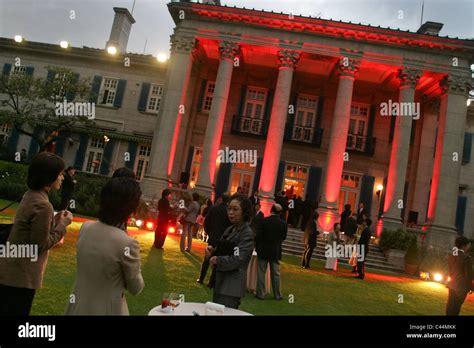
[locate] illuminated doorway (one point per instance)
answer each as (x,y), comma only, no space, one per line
(296,177)
(349,193)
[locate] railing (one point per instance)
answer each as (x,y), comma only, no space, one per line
(249,125)
(301,134)
(360,143)
(304,134)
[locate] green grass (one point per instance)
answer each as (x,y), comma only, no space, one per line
(315,291)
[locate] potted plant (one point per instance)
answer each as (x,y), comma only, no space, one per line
(395,244)
(412,259)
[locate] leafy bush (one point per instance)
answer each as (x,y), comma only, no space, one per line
(413,255)
(399,239)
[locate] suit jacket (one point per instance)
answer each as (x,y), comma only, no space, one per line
(33,225)
(231,271)
(360,214)
(350,227)
(108,262)
(460,271)
(365,239)
(67,187)
(271,232)
(256,221)
(344,216)
(216,222)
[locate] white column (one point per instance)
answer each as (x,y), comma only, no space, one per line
(169,119)
(397,169)
(276,129)
(215,122)
(447,165)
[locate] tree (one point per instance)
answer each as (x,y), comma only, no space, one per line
(29,103)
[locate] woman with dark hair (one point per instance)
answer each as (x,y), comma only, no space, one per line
(190,216)
(232,254)
(310,239)
(124,172)
(108,260)
(36,228)
(165,215)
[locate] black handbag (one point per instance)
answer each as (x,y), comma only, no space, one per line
(5,230)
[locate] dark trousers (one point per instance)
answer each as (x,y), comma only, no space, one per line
(15,301)
(361,269)
(204,268)
(160,236)
(308,252)
(453,307)
(228,301)
(65,200)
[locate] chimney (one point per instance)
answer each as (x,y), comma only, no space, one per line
(431,28)
(120,32)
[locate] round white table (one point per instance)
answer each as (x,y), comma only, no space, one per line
(187,308)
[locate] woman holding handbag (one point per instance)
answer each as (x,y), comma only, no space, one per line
(36,227)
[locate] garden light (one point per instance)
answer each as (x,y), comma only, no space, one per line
(171,230)
(438,277)
(150,225)
(139,223)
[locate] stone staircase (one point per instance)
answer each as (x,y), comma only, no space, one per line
(293,245)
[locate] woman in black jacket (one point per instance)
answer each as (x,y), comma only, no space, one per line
(310,239)
(165,215)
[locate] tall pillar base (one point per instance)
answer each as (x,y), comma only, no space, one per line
(328,216)
(441,237)
(392,223)
(266,202)
(152,187)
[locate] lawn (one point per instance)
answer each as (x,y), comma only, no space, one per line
(306,292)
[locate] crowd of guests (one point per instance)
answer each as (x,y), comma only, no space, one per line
(108,259)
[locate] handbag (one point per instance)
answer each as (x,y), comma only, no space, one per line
(200,219)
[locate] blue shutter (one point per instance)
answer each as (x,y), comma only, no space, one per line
(280,175)
(202,92)
(370,130)
(120,93)
(60,143)
(189,160)
(466,153)
(50,76)
(29,70)
(314,184)
(144,96)
(132,150)
(34,146)
(81,152)
(366,192)
(268,112)
(461,213)
(256,179)
(392,129)
(13,141)
(222,180)
(70,95)
(241,110)
(107,158)
(290,119)
(6,69)
(95,90)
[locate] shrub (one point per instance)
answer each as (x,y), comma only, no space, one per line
(413,255)
(399,239)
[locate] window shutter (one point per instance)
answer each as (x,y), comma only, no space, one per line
(366,192)
(34,146)
(6,69)
(189,161)
(60,144)
(256,179)
(222,180)
(466,153)
(392,129)
(29,70)
(413,132)
(120,93)
(314,184)
(382,198)
(370,130)
(202,93)
(405,196)
(81,152)
(268,112)
(240,112)
(132,150)
(50,75)
(107,158)
(13,141)
(145,92)
(290,119)
(461,213)
(95,90)
(319,115)
(280,175)
(70,95)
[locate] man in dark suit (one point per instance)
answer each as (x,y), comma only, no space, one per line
(364,249)
(460,271)
(360,213)
(345,215)
(67,187)
(256,218)
(255,199)
(271,232)
(215,223)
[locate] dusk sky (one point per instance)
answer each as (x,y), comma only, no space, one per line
(49,20)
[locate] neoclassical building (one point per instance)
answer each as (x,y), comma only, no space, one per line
(311,96)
